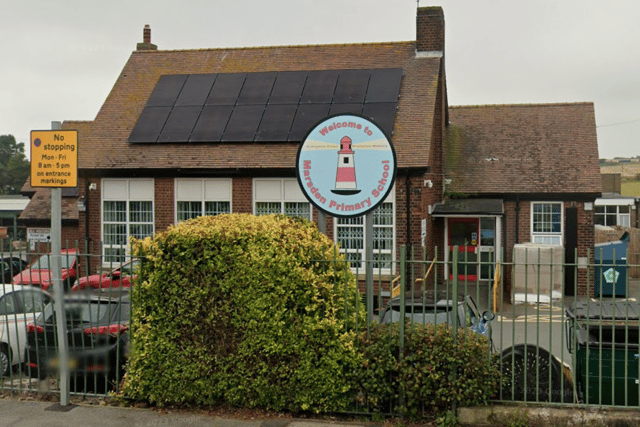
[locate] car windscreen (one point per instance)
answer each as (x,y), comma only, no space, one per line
(437,313)
(44,262)
(90,312)
(420,314)
(129,268)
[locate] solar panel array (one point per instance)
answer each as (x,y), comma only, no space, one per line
(269,106)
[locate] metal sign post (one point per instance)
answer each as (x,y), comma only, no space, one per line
(56,267)
(346,167)
(368,233)
(322,222)
(56,271)
(54,163)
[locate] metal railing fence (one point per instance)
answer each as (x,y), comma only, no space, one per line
(550,347)
(97,313)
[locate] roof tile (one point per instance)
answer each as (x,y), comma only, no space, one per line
(543,148)
(108,144)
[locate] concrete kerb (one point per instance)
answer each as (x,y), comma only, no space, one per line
(493,415)
(34,413)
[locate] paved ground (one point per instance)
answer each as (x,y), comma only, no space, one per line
(15,412)
(29,413)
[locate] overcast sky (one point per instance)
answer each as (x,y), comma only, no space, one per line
(59,60)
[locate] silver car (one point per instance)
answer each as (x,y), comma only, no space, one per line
(438,308)
(19,306)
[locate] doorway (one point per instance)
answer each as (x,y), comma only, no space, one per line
(476,239)
(464,233)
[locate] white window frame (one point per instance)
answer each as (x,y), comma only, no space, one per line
(554,238)
(279,191)
(126,191)
(623,219)
(359,222)
(202,190)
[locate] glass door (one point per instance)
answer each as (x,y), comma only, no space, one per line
(487,248)
(464,233)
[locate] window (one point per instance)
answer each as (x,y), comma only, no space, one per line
(350,235)
(280,196)
(546,223)
(610,215)
(32,301)
(8,305)
(127,211)
(198,197)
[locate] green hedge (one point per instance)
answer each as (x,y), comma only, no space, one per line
(235,309)
(238,309)
(422,372)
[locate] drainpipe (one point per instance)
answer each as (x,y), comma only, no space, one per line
(407,272)
(87,191)
(504,238)
(517,218)
(408,201)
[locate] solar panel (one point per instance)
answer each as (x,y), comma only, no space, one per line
(346,109)
(351,87)
(257,88)
(211,123)
(269,106)
(381,113)
(307,115)
(179,124)
(243,123)
(226,89)
(319,87)
(384,85)
(276,122)
(196,89)
(288,87)
(149,124)
(166,91)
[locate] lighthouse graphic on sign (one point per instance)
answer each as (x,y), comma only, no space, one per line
(346,173)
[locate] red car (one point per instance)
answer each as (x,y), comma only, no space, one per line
(39,272)
(119,277)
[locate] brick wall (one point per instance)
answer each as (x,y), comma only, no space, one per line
(242,195)
(430,29)
(585,232)
(586,241)
(94,210)
(164,204)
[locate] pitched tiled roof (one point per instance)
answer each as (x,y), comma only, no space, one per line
(39,207)
(27,189)
(109,149)
(532,149)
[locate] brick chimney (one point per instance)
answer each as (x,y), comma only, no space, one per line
(146,40)
(430,31)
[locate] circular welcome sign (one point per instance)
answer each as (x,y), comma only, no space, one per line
(346,165)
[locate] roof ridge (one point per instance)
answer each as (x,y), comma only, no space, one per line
(543,104)
(273,47)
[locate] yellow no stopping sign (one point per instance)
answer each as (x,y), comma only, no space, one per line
(54,158)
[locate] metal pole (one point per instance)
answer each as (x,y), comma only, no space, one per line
(454,298)
(322,222)
(368,237)
(56,271)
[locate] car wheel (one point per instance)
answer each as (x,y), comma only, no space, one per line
(5,360)
(530,373)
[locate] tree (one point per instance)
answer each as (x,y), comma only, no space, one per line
(14,166)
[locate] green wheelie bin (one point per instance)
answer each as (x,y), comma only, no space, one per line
(602,337)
